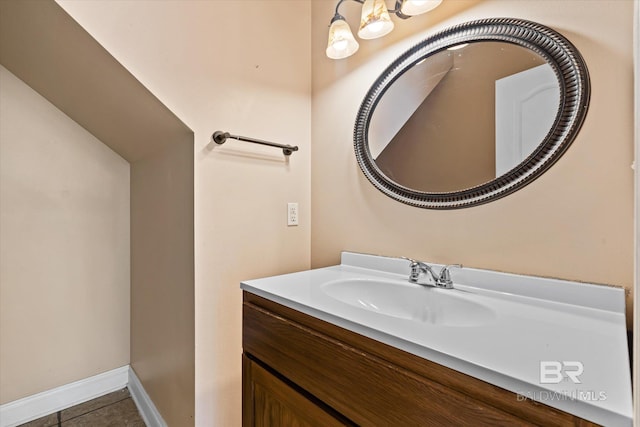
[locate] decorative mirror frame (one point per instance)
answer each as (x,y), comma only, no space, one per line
(573,79)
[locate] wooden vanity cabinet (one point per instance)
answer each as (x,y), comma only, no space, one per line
(301,371)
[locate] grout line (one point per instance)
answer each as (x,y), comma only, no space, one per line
(85,413)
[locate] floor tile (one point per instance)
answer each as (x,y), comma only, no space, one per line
(49,420)
(92,405)
(120,414)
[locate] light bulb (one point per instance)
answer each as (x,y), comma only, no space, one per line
(416,7)
(340,45)
(375,27)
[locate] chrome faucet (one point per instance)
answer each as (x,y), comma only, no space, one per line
(441,280)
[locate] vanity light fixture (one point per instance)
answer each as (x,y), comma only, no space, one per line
(375,22)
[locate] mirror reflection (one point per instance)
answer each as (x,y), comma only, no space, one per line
(463,116)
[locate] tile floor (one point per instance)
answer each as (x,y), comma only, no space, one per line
(112,410)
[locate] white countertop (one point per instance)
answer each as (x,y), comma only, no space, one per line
(537,320)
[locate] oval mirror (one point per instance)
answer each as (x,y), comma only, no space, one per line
(472,114)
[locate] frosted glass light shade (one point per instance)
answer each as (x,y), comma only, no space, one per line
(375,21)
(416,7)
(341,41)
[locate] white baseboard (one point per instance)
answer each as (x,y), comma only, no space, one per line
(51,401)
(59,398)
(147,409)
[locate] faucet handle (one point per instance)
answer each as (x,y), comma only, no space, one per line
(415,269)
(445,274)
(414,264)
(412,261)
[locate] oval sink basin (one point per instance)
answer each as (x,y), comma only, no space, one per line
(446,307)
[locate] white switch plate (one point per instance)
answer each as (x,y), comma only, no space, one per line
(292,214)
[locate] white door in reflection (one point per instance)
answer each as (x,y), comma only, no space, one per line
(526,106)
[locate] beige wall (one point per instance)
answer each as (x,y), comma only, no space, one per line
(162,291)
(575,222)
(242,67)
(64,251)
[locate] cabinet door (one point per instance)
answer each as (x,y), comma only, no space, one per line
(269,402)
